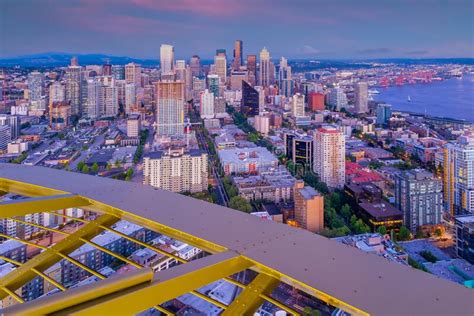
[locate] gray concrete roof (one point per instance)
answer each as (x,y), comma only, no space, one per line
(366,281)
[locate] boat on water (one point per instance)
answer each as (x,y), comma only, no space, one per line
(409,99)
(374,91)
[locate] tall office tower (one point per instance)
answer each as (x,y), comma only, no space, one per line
(110,96)
(309,207)
(261,98)
(176,171)
(94,99)
(213,84)
(361,97)
(316,101)
(120,85)
(221,52)
(180,70)
(458,175)
(130,97)
(264,71)
(238,55)
(329,156)
(236,78)
(57,92)
(384,112)
(299,149)
(73,89)
(134,125)
(252,69)
(35,86)
(118,72)
(220,68)
(297,105)
(199,85)
(13,122)
(170,108)
(5,136)
(464,237)
(262,124)
(133,74)
(207,104)
(418,194)
(337,98)
(285,82)
(188,83)
(195,64)
(107,69)
(166,59)
(74,61)
(59,115)
(249,105)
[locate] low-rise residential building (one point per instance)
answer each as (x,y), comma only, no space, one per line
(246,160)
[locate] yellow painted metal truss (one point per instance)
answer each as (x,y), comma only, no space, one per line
(137,290)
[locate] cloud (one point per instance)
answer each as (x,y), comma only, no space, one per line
(215,8)
(308,50)
(375,51)
(417,52)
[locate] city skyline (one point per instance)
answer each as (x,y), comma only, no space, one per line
(305,29)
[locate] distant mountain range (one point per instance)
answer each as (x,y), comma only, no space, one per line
(55,59)
(63,59)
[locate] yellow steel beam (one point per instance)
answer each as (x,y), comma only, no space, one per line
(67,216)
(279,305)
(82,266)
(331,300)
(249,300)
(163,310)
(40,204)
(209,299)
(41,274)
(50,256)
(166,285)
(51,304)
(12,294)
(27,189)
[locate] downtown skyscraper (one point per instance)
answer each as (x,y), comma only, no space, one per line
(330,156)
(170,108)
(238,55)
(361,96)
(285,81)
(252,69)
(265,65)
(166,59)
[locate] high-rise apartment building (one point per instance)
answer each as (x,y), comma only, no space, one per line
(207,104)
(57,92)
(384,112)
(458,175)
(94,99)
(418,194)
(297,105)
(285,82)
(130,97)
(35,86)
(195,64)
(118,72)
(262,124)
(220,68)
(110,95)
(361,97)
(133,74)
(252,69)
(337,98)
(250,100)
(464,237)
(170,108)
(14,123)
(5,136)
(316,101)
(176,171)
(166,59)
(133,125)
(238,55)
(73,89)
(264,71)
(309,207)
(329,156)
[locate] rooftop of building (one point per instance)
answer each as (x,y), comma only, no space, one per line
(239,155)
(10,245)
(380,209)
(455,270)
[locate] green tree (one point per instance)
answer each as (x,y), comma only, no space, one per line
(129,174)
(118,163)
(346,211)
(95,167)
(108,167)
(438,232)
(382,230)
(80,165)
(85,169)
(240,204)
(404,233)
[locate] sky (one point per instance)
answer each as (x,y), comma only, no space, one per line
(326,29)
